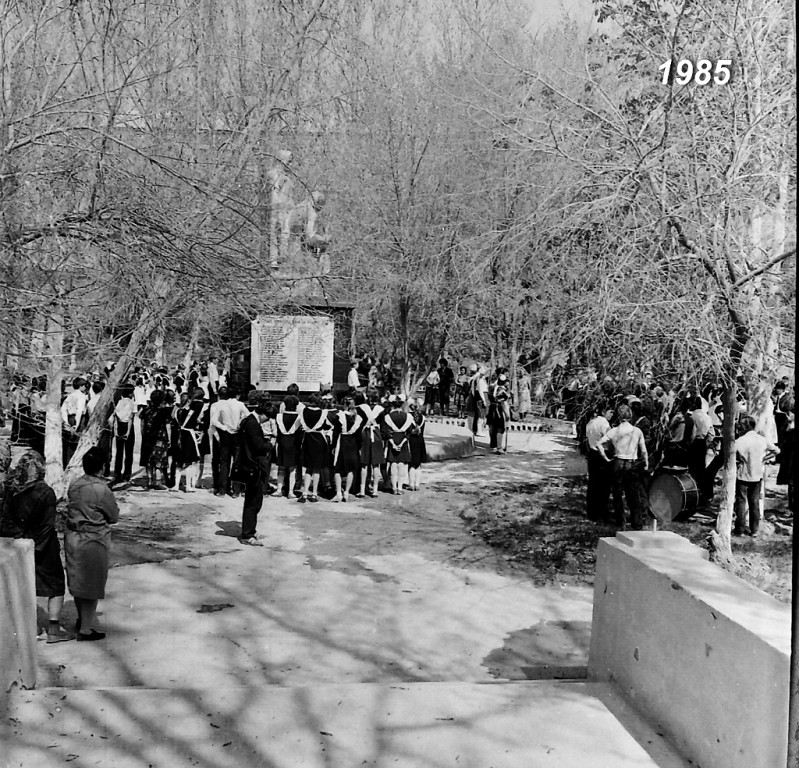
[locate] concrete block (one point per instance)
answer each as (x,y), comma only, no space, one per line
(18,611)
(702,653)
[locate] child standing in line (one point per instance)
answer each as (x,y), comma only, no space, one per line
(346,448)
(398,451)
(417,446)
(372,447)
(289,442)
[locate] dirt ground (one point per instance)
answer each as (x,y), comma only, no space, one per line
(498,519)
(542,529)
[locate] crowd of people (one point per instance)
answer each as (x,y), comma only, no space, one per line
(630,436)
(368,439)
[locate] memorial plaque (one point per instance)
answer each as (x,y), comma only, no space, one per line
(289,349)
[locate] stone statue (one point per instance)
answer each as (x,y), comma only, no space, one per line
(295,223)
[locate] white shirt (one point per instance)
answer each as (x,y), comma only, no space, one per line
(352,378)
(627,441)
(140,396)
(124,409)
(213,375)
(750,456)
(702,424)
(227,415)
(74,405)
(595,430)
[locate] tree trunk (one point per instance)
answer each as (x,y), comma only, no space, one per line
(193,339)
(721,537)
(53,445)
(90,437)
(158,343)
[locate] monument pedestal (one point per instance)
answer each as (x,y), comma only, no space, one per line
(305,343)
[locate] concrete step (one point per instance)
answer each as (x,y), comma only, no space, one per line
(430,725)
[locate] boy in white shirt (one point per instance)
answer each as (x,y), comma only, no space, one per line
(752,451)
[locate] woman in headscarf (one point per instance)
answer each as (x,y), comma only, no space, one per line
(91,511)
(31,514)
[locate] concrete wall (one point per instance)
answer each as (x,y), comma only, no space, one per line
(699,651)
(17,615)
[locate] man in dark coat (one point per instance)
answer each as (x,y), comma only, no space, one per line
(252,464)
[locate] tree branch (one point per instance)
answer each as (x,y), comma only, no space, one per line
(764,267)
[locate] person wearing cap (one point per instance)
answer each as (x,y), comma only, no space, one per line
(498,412)
(252,458)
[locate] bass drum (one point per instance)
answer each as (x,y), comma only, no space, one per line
(673,494)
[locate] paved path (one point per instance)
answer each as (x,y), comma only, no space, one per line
(343,642)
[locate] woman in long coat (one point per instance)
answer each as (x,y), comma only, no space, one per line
(30,514)
(91,510)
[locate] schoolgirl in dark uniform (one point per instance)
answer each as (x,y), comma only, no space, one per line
(289,441)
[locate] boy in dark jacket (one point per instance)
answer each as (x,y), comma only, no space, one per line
(253,453)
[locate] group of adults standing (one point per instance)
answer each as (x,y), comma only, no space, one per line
(325,450)
(28,511)
(627,438)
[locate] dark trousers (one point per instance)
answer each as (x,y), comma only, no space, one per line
(69,442)
(600,476)
(224,447)
(123,448)
(707,487)
(253,499)
(628,479)
(104,444)
(444,397)
(747,494)
(696,466)
(478,412)
(496,435)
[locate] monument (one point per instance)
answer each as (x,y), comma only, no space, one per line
(306,339)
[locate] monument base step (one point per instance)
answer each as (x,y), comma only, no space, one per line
(503,725)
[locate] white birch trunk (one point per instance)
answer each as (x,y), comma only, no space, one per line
(53,446)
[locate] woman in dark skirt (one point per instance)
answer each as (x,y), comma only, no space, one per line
(417,446)
(289,441)
(31,514)
(373,451)
(315,447)
(346,448)
(395,436)
(190,440)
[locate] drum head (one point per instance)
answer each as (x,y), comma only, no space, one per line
(665,497)
(673,496)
